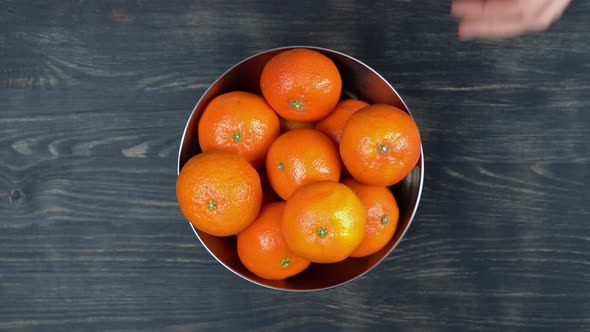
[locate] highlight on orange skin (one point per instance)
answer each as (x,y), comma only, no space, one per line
(324,222)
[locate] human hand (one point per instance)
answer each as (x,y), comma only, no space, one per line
(490,19)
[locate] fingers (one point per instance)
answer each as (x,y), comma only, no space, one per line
(551,13)
(503,24)
(491,28)
(505,18)
(482,8)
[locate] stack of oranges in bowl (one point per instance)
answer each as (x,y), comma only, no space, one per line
(297,173)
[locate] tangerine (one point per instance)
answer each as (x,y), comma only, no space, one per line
(301,156)
(239,122)
(262,247)
(219,192)
(333,124)
(324,222)
(382,215)
(301,84)
(380,145)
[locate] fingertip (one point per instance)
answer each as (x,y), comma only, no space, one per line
(456,9)
(463,8)
(467,31)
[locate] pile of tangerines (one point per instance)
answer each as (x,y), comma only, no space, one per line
(297,174)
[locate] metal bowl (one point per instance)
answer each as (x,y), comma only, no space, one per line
(358,81)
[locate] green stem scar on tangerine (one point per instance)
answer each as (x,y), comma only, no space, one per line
(285,262)
(384,219)
(322,232)
(211,205)
(237,136)
(382,148)
(280,166)
(296,105)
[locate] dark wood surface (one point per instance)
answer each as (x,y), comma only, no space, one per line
(94,96)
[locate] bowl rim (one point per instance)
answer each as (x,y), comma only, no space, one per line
(420,162)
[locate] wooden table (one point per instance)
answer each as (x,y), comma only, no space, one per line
(94,96)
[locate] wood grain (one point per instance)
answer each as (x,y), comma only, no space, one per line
(94,96)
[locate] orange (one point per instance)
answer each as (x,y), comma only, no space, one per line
(287,125)
(382,215)
(219,192)
(301,156)
(301,84)
(333,124)
(239,122)
(263,250)
(380,145)
(324,222)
